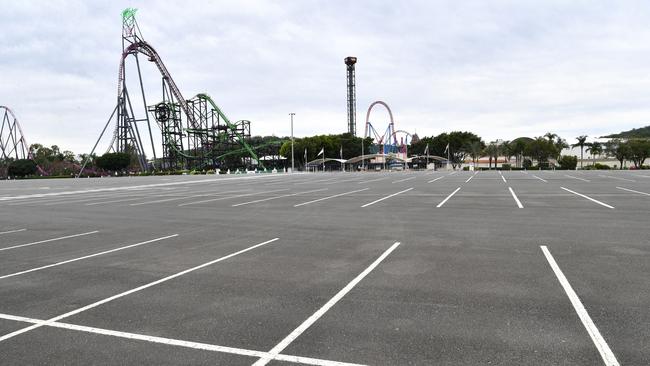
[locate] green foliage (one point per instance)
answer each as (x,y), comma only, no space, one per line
(113,161)
(568,162)
(460,143)
(474,148)
(541,149)
(598,166)
(331,143)
(22,168)
(617,149)
(639,150)
(643,132)
(492,151)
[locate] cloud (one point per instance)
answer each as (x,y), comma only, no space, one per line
(501,69)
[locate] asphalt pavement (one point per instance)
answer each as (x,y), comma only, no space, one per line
(375,268)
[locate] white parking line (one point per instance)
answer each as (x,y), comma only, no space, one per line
(515,197)
(589,198)
(276,197)
(625,189)
(143,187)
(50,201)
(433,180)
(178,342)
(452,173)
(112,196)
(320,312)
(504,179)
(326,198)
(403,180)
(582,179)
(470,178)
(619,178)
(372,180)
(604,350)
(87,256)
(543,180)
(448,197)
(387,197)
(317,181)
(49,240)
(182,198)
(12,231)
(114,201)
(125,293)
(229,197)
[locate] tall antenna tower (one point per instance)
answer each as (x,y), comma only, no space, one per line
(352,96)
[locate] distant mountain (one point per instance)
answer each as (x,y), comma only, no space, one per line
(643,132)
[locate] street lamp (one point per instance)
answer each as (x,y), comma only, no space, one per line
(292,163)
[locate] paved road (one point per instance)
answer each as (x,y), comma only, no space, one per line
(407,268)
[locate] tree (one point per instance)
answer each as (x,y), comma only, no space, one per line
(492,151)
(475,149)
(595,148)
(582,141)
(568,162)
(113,161)
(618,149)
(506,150)
(21,168)
(518,147)
(541,149)
(332,144)
(459,143)
(639,150)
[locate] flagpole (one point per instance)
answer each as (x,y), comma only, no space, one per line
(426,166)
(362,158)
(447,156)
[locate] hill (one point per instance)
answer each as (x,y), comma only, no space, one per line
(643,132)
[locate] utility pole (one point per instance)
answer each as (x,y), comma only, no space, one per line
(292,163)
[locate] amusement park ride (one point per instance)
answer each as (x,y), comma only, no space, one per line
(13,145)
(391,143)
(195,133)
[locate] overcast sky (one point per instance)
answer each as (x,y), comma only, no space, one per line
(501,69)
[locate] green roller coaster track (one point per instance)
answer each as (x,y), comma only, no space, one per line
(232,126)
(246,148)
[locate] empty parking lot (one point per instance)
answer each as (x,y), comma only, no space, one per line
(405,268)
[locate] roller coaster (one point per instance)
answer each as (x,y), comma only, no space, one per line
(194,133)
(13,145)
(387,142)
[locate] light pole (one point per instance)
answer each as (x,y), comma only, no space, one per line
(292,163)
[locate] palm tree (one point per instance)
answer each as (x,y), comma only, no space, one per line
(475,149)
(595,148)
(551,136)
(506,150)
(582,142)
(492,151)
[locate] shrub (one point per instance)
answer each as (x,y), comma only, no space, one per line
(22,168)
(527,163)
(506,167)
(113,161)
(568,162)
